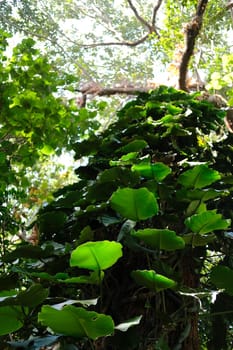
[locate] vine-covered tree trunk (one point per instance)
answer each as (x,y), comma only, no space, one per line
(191,279)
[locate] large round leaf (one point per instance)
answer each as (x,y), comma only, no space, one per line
(198,177)
(96,255)
(76,322)
(206,222)
(11,319)
(134,204)
(160,239)
(152,280)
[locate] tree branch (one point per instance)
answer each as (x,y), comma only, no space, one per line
(192,30)
(155,11)
(117,43)
(96,90)
(140,18)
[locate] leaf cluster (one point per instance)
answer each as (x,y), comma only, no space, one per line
(131,239)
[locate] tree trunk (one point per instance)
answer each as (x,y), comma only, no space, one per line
(191,279)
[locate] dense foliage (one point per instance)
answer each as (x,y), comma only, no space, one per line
(132,254)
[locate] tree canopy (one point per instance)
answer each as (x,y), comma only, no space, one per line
(126,42)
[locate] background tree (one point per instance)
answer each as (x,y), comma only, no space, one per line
(124,42)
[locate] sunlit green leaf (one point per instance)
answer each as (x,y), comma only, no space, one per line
(198,177)
(96,255)
(157,171)
(76,322)
(152,280)
(206,222)
(134,204)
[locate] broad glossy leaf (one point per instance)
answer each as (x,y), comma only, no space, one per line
(96,255)
(152,280)
(160,238)
(206,222)
(198,177)
(134,204)
(11,319)
(76,322)
(222,277)
(157,171)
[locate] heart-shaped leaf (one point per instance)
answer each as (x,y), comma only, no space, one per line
(152,280)
(76,322)
(198,177)
(206,222)
(160,239)
(96,255)
(134,204)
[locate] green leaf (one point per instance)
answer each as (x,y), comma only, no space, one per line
(198,177)
(206,222)
(157,171)
(96,255)
(152,280)
(134,204)
(76,322)
(95,277)
(11,319)
(25,251)
(120,175)
(160,238)
(33,296)
(222,277)
(133,146)
(47,150)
